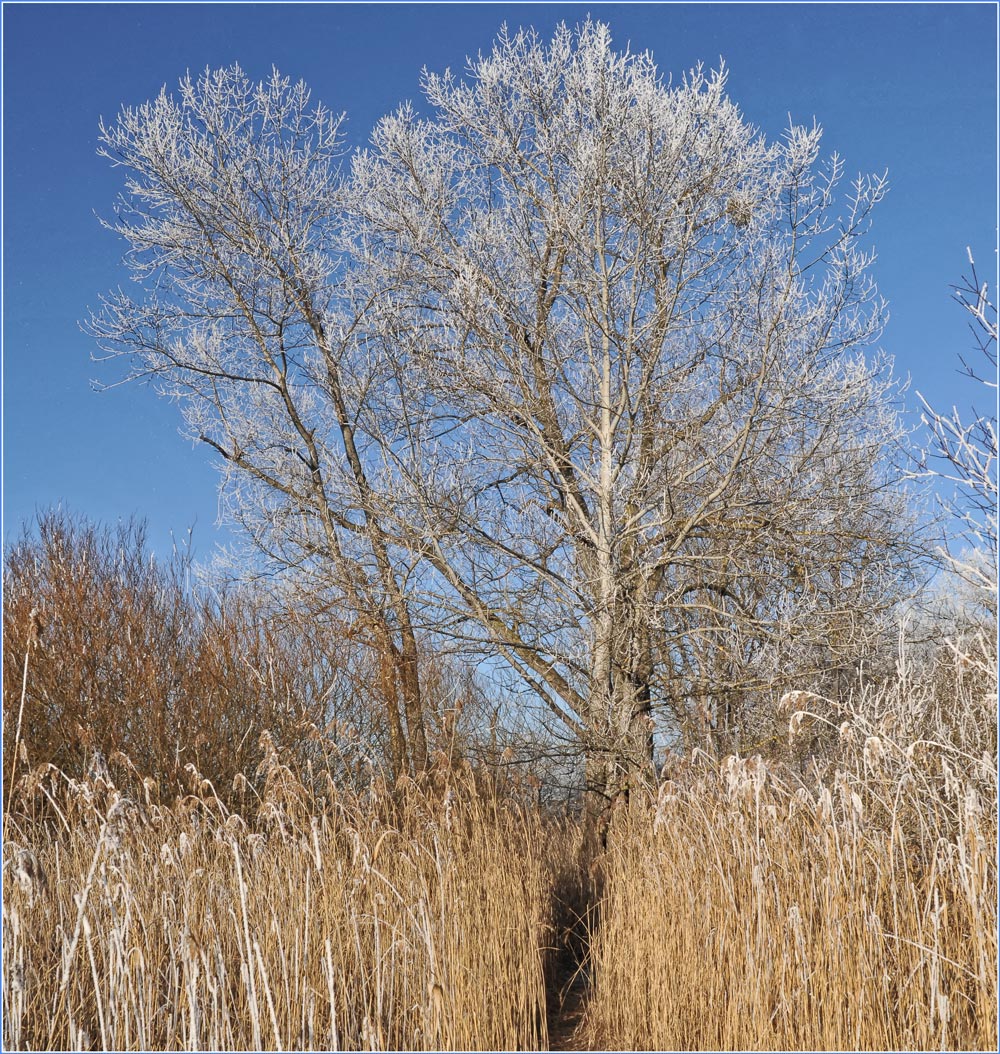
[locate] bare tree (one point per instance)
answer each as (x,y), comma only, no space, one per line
(964,454)
(638,445)
(572,373)
(232,216)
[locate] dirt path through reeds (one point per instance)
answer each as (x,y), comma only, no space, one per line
(567,1010)
(568,981)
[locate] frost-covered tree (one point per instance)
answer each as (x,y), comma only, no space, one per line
(964,451)
(637,436)
(572,371)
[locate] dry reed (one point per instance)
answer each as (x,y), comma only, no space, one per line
(845,903)
(745,912)
(413,921)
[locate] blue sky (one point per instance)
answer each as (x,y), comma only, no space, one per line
(908,87)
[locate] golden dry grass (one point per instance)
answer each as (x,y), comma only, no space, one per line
(747,907)
(361,925)
(744,915)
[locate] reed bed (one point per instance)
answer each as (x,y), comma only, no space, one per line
(414,920)
(747,913)
(843,900)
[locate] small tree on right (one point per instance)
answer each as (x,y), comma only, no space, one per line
(962,457)
(964,453)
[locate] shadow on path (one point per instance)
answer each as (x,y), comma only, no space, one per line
(567,968)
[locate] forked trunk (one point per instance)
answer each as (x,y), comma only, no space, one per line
(618,762)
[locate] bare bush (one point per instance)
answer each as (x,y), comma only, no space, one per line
(112,659)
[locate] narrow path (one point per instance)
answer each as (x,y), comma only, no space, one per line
(568,975)
(567,1008)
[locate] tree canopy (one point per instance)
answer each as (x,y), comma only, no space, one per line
(576,370)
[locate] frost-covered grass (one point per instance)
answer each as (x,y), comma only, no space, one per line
(419,924)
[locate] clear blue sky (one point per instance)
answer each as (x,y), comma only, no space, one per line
(908,87)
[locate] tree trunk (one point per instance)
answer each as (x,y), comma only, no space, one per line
(619,751)
(388,685)
(409,677)
(597,798)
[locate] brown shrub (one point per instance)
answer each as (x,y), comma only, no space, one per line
(127,665)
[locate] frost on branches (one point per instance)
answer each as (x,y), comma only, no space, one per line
(571,370)
(964,453)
